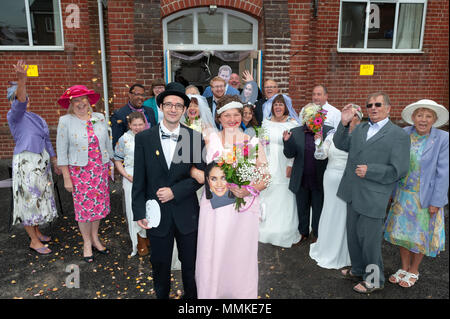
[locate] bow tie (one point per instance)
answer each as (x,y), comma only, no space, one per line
(173,137)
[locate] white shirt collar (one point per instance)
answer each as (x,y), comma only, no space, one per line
(379,124)
(166,130)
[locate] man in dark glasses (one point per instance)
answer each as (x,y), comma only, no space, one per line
(378,158)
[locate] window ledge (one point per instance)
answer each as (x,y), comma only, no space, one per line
(31,48)
(402,51)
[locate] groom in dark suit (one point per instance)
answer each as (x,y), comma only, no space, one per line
(306,180)
(378,157)
(163,158)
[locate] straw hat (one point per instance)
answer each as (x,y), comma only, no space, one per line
(441,112)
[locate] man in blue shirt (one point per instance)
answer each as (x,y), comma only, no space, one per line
(224,73)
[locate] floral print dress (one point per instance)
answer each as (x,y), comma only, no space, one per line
(34,202)
(408,224)
(90,183)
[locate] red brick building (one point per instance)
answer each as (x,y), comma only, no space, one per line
(298,43)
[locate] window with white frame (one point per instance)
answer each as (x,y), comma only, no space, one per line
(201,29)
(381,26)
(30,25)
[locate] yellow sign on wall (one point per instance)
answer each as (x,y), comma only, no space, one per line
(366,69)
(32,70)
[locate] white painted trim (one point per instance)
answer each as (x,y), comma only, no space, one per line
(29,27)
(394,39)
(381,51)
(32,47)
(202,47)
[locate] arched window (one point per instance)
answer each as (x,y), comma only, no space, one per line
(198,29)
(197,42)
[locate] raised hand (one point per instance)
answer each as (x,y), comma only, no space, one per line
(347,114)
(21,69)
(286,135)
(246,76)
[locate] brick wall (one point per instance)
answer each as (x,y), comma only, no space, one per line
(299,51)
(79,63)
(406,78)
(276,42)
(251,7)
(148,41)
(299,15)
(122,61)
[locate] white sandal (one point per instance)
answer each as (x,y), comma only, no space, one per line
(397,276)
(407,279)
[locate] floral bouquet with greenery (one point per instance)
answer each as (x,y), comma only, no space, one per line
(239,166)
(314,118)
(195,124)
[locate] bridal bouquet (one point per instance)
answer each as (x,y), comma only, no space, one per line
(239,166)
(314,118)
(195,124)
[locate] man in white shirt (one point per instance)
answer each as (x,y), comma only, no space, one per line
(164,156)
(320,97)
(224,73)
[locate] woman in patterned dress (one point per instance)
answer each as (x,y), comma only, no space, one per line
(34,202)
(84,151)
(416,219)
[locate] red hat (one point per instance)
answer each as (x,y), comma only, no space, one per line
(76,91)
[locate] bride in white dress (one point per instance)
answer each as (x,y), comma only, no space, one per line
(331,250)
(279,225)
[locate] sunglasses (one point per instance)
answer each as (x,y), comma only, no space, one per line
(378,104)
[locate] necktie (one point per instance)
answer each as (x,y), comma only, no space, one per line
(173,137)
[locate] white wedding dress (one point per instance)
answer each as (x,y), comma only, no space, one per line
(279,225)
(331,250)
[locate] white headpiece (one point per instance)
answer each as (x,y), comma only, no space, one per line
(229,106)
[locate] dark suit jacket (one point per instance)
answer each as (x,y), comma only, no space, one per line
(386,155)
(259,110)
(119,123)
(295,147)
(151,173)
(210,104)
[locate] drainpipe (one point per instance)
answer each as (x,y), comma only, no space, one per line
(103,57)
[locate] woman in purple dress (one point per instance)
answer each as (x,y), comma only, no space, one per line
(34,202)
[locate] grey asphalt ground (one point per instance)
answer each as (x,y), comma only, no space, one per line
(283,273)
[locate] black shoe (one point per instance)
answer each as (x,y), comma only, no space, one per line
(303,240)
(89,259)
(105,251)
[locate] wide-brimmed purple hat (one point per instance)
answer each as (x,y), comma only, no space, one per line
(76,91)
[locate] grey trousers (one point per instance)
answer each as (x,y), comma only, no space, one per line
(364,238)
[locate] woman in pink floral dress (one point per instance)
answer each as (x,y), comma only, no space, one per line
(85,150)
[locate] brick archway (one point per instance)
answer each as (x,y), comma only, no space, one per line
(252,7)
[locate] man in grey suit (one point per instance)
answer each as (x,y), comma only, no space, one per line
(378,157)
